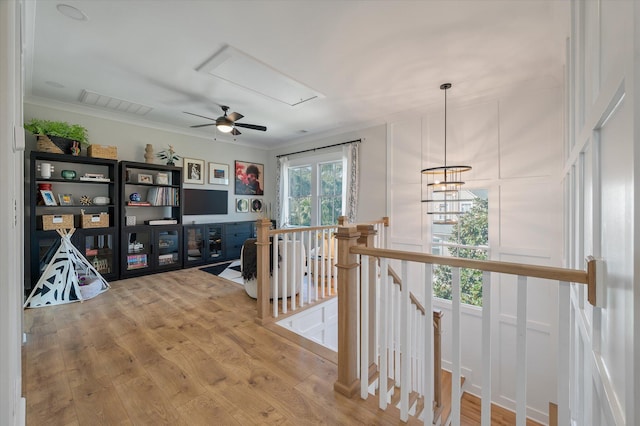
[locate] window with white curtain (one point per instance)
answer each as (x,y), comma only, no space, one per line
(314,190)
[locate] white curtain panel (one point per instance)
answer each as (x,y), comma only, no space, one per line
(282,189)
(350,158)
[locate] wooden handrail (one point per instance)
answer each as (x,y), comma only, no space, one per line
(547,272)
(301,229)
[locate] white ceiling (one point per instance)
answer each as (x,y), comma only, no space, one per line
(369,59)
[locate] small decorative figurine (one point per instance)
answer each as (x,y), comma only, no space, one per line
(148,153)
(135,197)
(85,200)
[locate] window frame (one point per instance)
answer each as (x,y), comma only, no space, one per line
(315,161)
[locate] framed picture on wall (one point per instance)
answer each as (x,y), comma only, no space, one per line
(249,178)
(193,171)
(242,205)
(219,174)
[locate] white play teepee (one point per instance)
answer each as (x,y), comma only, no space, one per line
(60,283)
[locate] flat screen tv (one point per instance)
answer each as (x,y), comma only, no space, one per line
(205,201)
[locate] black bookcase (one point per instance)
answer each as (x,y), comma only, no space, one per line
(151,218)
(89,185)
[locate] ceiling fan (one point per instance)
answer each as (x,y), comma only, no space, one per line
(227,123)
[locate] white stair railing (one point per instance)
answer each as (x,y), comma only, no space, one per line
(303,265)
(398,334)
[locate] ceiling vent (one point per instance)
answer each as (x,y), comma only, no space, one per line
(240,69)
(116,104)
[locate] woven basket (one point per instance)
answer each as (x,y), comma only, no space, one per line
(57,144)
(46,145)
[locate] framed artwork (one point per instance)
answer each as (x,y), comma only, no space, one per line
(256,205)
(193,170)
(219,174)
(143,178)
(48,197)
(242,205)
(162,178)
(65,199)
(249,178)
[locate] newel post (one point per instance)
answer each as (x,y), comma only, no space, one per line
(367,238)
(347,383)
(262,265)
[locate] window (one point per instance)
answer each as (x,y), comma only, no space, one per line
(469,238)
(300,196)
(314,190)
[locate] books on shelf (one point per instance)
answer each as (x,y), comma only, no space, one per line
(136,261)
(163,196)
(161,222)
(139,203)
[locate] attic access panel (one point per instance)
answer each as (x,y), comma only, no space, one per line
(238,68)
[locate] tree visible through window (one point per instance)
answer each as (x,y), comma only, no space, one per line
(300,196)
(330,192)
(315,195)
(469,239)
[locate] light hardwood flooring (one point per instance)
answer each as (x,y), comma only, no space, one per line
(178,348)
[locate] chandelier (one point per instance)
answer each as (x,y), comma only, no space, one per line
(444,183)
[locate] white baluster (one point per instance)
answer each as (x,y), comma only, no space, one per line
(521,353)
(564,323)
(405,344)
(427,412)
(276,271)
(364,310)
(285,274)
(456,343)
(384,308)
(486,348)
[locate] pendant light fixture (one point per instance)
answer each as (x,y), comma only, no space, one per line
(444,183)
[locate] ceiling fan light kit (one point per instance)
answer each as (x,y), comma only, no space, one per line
(227,123)
(444,183)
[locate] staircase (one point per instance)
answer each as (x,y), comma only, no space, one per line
(442,412)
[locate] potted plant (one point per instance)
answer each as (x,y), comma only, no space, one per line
(168,155)
(58,136)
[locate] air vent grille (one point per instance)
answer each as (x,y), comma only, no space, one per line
(109,102)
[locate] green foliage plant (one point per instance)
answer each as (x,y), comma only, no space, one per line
(472,229)
(168,155)
(62,129)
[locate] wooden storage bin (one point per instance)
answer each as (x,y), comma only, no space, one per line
(103,151)
(57,221)
(100,220)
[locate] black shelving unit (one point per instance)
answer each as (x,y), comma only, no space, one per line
(214,242)
(98,244)
(147,247)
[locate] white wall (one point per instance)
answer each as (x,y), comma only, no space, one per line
(131,138)
(514,144)
(11,217)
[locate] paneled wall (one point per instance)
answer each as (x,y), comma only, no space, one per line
(514,144)
(601,209)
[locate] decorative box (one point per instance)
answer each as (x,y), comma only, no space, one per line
(103,151)
(57,221)
(100,220)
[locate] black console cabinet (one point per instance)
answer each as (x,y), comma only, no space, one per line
(215,242)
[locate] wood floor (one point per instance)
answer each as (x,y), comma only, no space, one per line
(178,348)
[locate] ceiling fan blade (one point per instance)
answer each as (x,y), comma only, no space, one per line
(202,125)
(251,126)
(235,132)
(234,116)
(198,115)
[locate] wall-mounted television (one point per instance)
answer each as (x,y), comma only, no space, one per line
(205,201)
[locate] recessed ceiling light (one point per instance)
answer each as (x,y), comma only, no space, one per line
(54,84)
(72,12)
